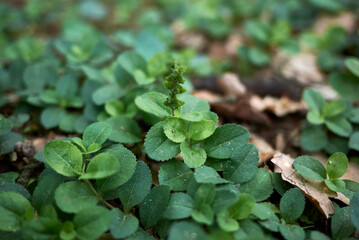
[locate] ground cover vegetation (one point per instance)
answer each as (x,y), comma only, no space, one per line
(104,134)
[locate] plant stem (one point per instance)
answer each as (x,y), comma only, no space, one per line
(98,195)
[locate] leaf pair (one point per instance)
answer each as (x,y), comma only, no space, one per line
(337,165)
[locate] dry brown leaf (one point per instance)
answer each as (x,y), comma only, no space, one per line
(346,20)
(302,67)
(265,150)
(232,44)
(279,106)
(316,191)
(231,84)
(208,96)
(39,143)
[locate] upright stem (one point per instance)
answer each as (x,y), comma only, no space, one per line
(98,195)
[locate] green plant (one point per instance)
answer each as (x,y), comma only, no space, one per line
(337,165)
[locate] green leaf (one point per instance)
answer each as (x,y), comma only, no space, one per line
(186,230)
(346,84)
(96,133)
(114,107)
(107,93)
(16,188)
(152,102)
(92,222)
(141,78)
(13,208)
(243,164)
(354,115)
(36,77)
(341,226)
(337,165)
(136,189)
(339,126)
(243,207)
(124,130)
(201,130)
(310,167)
(314,99)
(64,158)
(66,86)
(226,222)
(193,104)
(175,174)
(175,129)
(191,116)
(101,166)
(336,185)
(148,45)
(74,196)
(354,141)
(292,205)
(5,125)
(68,231)
(193,157)
(354,210)
(260,186)
(127,162)
(51,117)
(180,206)
(122,225)
(225,140)
(154,205)
(8,142)
(333,108)
(258,56)
(131,61)
(46,187)
(316,235)
(224,199)
(313,138)
(292,232)
(263,211)
(158,146)
(67,123)
(314,117)
(206,174)
(42,228)
(203,214)
(205,195)
(352,64)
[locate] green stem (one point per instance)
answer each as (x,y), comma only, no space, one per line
(98,195)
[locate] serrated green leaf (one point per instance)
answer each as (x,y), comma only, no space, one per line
(339,126)
(193,157)
(74,196)
(51,117)
(337,165)
(64,158)
(341,225)
(175,174)
(314,99)
(260,186)
(127,162)
(243,164)
(101,166)
(292,205)
(243,207)
(13,208)
(124,130)
(154,205)
(136,188)
(292,232)
(206,174)
(175,129)
(225,140)
(186,231)
(158,146)
(201,130)
(46,187)
(91,222)
(152,102)
(310,167)
(96,133)
(336,185)
(226,222)
(180,206)
(122,225)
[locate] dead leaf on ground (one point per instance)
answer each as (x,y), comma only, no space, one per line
(208,96)
(39,143)
(316,191)
(279,106)
(265,150)
(302,67)
(231,84)
(346,20)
